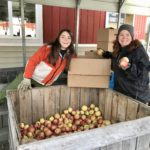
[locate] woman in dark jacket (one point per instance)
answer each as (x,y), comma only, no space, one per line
(130,64)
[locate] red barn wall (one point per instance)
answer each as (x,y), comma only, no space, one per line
(57,18)
(140,26)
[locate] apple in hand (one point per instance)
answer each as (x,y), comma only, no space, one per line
(124,63)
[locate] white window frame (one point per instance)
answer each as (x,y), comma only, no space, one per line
(10,40)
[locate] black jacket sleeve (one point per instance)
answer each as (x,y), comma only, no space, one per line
(140,64)
(107,54)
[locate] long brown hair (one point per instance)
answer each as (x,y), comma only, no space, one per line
(132,46)
(56,46)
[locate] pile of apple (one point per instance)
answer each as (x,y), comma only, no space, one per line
(67,122)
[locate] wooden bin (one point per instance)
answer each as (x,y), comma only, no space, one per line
(130,131)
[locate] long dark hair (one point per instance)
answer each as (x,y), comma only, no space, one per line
(132,46)
(56,46)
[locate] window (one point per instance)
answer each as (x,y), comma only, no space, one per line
(10,21)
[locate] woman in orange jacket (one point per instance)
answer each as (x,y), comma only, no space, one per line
(47,64)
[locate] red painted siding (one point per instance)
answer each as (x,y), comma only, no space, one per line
(57,18)
(90,22)
(140,26)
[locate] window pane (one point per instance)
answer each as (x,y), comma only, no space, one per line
(4,24)
(16,18)
(29,19)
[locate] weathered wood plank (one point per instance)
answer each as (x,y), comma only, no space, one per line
(94,96)
(122,105)
(108,104)
(75,98)
(132,109)
(64,98)
(115,146)
(57,95)
(14,136)
(103,148)
(85,96)
(144,110)
(37,110)
(114,107)
(129,144)
(143,142)
(102,95)
(25,112)
(49,101)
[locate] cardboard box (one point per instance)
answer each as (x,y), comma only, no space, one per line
(106,35)
(85,72)
(108,46)
(92,81)
(91,54)
(87,66)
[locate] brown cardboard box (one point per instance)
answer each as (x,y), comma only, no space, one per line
(91,54)
(88,72)
(108,46)
(91,81)
(89,66)
(106,35)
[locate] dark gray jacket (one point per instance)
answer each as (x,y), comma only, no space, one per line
(133,81)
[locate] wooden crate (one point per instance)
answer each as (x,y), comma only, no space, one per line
(130,131)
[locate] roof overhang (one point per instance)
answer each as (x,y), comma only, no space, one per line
(138,7)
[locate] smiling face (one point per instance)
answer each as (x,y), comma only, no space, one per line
(124,38)
(65,40)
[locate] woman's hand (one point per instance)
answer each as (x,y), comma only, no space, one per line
(25,84)
(124,63)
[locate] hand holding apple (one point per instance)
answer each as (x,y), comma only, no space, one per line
(124,63)
(100,52)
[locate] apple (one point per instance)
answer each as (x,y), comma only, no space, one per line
(123,64)
(42,120)
(84,108)
(92,106)
(100,52)
(47,122)
(74,127)
(77,122)
(37,125)
(96,109)
(73,112)
(76,116)
(53,127)
(41,135)
(48,133)
(97,113)
(66,111)
(91,112)
(29,134)
(51,118)
(57,116)
(57,131)
(31,129)
(126,59)
(26,126)
(106,122)
(55,121)
(70,109)
(21,125)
